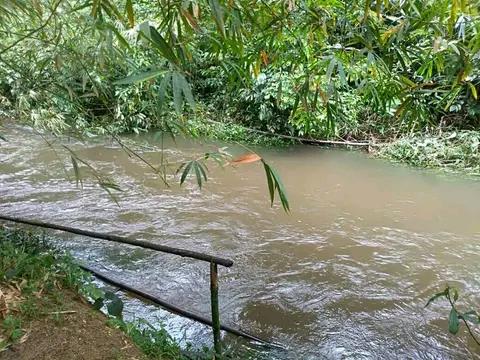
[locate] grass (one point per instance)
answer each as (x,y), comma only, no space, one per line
(35,281)
(456,151)
(30,275)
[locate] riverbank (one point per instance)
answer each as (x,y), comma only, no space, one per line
(452,150)
(449,150)
(44,312)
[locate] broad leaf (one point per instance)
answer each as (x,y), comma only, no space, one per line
(453,322)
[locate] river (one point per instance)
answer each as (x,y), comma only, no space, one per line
(345,275)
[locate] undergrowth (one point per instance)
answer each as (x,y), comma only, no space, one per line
(452,150)
(34,278)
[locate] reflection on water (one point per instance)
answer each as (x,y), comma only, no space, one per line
(346,275)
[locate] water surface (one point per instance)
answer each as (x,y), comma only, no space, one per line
(345,275)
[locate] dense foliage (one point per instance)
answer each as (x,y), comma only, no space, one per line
(37,280)
(375,69)
(325,68)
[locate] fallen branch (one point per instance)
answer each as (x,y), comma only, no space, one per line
(61,312)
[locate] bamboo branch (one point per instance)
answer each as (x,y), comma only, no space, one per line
(16,42)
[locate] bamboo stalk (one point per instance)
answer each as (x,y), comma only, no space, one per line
(215,311)
(124,240)
(173,308)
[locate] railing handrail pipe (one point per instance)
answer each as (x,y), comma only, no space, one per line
(124,240)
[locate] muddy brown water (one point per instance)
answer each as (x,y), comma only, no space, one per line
(345,276)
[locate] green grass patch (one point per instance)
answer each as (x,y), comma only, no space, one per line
(454,151)
(35,280)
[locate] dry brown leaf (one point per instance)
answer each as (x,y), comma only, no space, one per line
(10,298)
(3,305)
(24,336)
(246,159)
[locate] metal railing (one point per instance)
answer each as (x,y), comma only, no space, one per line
(213,260)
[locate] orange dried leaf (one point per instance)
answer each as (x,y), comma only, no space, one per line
(264,57)
(246,159)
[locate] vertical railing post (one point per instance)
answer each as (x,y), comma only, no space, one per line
(215,311)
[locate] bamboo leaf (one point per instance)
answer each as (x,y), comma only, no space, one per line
(190,19)
(106,184)
(473,90)
(197,173)
(186,171)
(159,42)
(177,92)
(130,14)
(218,15)
(271,187)
(341,74)
(453,16)
(202,170)
(187,91)
(135,78)
(112,9)
(436,296)
(280,190)
(331,66)
(162,91)
(95,7)
(275,183)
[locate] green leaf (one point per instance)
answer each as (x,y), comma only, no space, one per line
(271,188)
(473,90)
(197,174)
(16,334)
(453,322)
(164,48)
(275,183)
(109,185)
(162,91)
(202,170)
(110,295)
(130,14)
(186,170)
(341,74)
(98,304)
(280,189)
(115,307)
(436,296)
(177,92)
(187,91)
(331,66)
(471,316)
(135,78)
(218,15)
(455,294)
